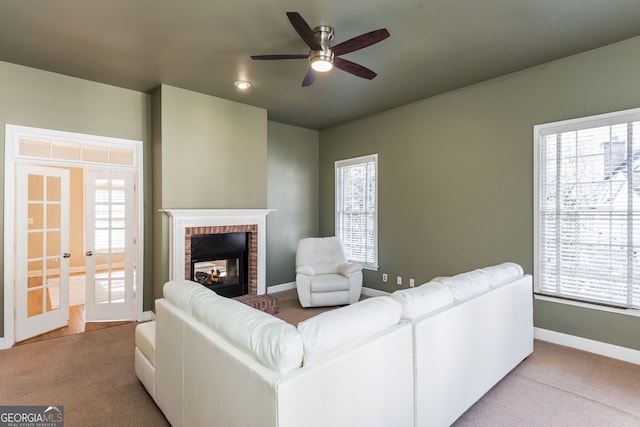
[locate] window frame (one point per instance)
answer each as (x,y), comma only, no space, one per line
(338,195)
(575,125)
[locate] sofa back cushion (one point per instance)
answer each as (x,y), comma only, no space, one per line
(423,299)
(184,293)
(332,330)
(466,285)
(322,254)
(502,273)
(270,340)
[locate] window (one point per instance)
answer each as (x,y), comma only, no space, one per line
(587,209)
(357,208)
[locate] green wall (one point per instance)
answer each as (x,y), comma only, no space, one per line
(213,152)
(293,191)
(456,174)
(30,97)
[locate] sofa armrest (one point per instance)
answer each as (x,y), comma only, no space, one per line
(349,268)
(305,269)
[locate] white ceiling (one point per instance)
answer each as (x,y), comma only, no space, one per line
(204,45)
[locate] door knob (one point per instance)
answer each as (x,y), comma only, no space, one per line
(88,253)
(66,255)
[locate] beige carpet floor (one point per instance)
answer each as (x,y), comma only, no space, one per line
(92,376)
(559,386)
(290,310)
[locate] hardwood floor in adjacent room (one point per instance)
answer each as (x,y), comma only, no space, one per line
(77,324)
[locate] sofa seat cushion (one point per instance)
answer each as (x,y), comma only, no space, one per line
(332,330)
(329,299)
(270,340)
(502,273)
(329,283)
(423,299)
(145,338)
(467,285)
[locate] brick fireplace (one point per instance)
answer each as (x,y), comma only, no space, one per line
(185,223)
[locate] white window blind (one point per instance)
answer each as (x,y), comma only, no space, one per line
(356,208)
(587,219)
(110,216)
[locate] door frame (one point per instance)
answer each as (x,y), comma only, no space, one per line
(13,133)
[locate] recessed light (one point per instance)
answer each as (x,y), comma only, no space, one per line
(242,84)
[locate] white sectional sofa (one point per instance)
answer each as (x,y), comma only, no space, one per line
(469,331)
(218,362)
(420,357)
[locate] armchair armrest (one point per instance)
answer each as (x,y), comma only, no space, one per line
(349,268)
(305,269)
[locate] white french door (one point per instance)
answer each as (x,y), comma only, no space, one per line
(42,245)
(110,245)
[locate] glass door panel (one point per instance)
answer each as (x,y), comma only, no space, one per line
(110,245)
(42,239)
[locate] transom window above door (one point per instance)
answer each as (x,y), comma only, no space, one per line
(106,154)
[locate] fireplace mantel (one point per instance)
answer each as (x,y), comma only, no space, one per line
(181,219)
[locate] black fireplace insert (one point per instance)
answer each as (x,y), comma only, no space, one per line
(220,262)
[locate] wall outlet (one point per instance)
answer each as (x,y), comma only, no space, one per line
(412,283)
(399,280)
(385,277)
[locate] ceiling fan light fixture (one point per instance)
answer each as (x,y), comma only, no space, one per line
(321,63)
(242,84)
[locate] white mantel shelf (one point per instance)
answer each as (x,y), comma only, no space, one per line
(181,219)
(208,213)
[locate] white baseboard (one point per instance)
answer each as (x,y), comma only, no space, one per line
(2,347)
(604,349)
(281,288)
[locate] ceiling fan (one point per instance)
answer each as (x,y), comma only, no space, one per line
(323,57)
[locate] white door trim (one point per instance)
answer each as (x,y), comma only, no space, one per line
(12,136)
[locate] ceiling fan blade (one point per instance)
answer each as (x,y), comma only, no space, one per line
(353,68)
(304,30)
(309,78)
(269,57)
(360,42)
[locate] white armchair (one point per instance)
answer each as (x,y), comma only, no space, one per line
(324,277)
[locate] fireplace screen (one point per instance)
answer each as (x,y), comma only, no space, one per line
(217,272)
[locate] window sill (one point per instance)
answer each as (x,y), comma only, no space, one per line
(623,311)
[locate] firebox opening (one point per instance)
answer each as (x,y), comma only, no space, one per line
(220,262)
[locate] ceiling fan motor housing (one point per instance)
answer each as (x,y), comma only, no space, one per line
(324,34)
